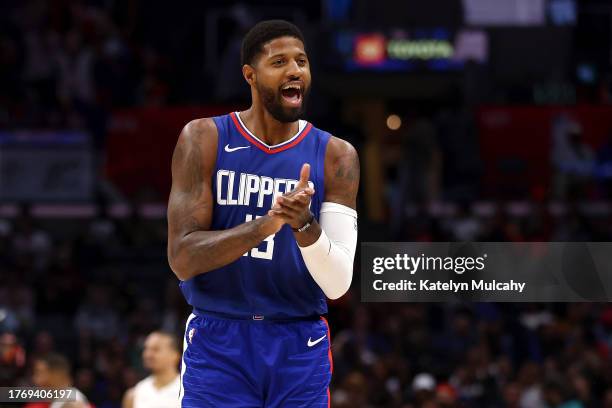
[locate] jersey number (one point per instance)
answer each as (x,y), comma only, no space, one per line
(255,252)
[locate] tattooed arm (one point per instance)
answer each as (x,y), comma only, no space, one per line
(192,248)
(341,173)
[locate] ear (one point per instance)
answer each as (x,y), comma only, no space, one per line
(249,74)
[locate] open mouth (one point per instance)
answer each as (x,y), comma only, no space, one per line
(292,95)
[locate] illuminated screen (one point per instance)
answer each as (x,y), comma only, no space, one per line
(562,12)
(504,12)
(403,50)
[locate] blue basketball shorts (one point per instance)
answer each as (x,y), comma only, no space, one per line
(255,363)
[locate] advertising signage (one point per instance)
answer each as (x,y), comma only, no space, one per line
(409,50)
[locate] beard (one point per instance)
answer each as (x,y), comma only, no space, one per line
(272,101)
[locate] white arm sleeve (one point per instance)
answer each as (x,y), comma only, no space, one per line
(330,259)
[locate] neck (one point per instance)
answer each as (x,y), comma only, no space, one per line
(259,121)
(164,378)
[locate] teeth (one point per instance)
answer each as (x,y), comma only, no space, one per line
(292,87)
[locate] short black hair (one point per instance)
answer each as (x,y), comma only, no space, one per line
(56,362)
(263,32)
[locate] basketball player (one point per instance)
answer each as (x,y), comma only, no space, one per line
(262,227)
(52,371)
(161,356)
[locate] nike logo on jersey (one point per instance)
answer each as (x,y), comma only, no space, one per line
(233,149)
(317,341)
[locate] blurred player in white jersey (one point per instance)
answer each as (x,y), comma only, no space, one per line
(161,355)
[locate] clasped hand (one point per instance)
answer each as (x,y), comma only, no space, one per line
(293,208)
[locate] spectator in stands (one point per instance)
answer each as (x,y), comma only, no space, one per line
(512,395)
(572,159)
(423,388)
(96,317)
(32,245)
(604,166)
(555,395)
(607,400)
(12,358)
(464,226)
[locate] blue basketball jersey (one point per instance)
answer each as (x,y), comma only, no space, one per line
(271,280)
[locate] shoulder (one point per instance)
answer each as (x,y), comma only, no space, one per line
(80,396)
(128,398)
(142,385)
(340,155)
(338,149)
(203,130)
(144,382)
(196,145)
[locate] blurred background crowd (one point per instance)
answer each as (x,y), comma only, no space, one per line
(474,120)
